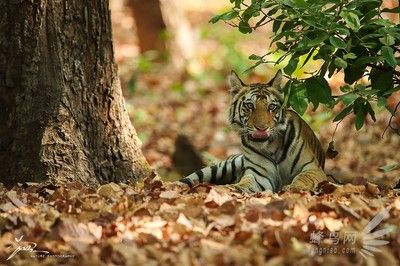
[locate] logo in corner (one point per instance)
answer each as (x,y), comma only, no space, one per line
(25,246)
(370,240)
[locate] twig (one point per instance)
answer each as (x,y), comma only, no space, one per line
(389,125)
(231,24)
(336,127)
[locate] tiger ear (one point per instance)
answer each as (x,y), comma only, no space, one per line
(276,81)
(235,83)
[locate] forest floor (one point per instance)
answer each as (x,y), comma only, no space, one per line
(163,223)
(151,223)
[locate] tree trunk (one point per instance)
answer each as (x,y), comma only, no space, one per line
(157,19)
(62,114)
(150,24)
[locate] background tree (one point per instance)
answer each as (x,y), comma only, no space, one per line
(162,26)
(150,25)
(62,114)
(353,36)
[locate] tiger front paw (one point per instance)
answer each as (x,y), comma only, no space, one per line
(296,187)
(246,185)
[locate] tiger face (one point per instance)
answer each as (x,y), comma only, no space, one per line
(257,110)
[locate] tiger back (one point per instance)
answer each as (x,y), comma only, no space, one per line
(279,149)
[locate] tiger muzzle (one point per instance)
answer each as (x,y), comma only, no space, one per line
(260,135)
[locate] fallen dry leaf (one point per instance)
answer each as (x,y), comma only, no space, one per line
(12,195)
(70,230)
(169,194)
(216,197)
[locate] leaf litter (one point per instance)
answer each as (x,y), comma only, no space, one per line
(156,223)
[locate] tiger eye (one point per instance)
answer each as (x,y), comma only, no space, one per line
(272,107)
(248,105)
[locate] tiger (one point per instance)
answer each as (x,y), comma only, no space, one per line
(279,149)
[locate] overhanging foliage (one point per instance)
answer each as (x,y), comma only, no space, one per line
(353,36)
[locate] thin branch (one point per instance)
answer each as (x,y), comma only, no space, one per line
(336,127)
(389,125)
(266,15)
(231,24)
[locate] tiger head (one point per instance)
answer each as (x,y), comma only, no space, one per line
(257,110)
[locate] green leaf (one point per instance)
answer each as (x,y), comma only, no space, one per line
(308,57)
(360,110)
(250,12)
(339,62)
(322,36)
(370,111)
(389,92)
(292,65)
(311,22)
(381,102)
(391,10)
(363,60)
(370,14)
(381,80)
(351,19)
(288,27)
(349,98)
(343,31)
(338,43)
(298,98)
(280,46)
(295,3)
(215,19)
(343,113)
(353,73)
(387,40)
(244,27)
(325,52)
(324,68)
(272,11)
(238,3)
(229,15)
(281,35)
(276,25)
(255,57)
(360,88)
(383,22)
(388,56)
(371,36)
(331,69)
(360,117)
(318,91)
(300,3)
(349,56)
(287,90)
(345,88)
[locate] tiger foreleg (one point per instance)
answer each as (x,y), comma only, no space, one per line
(225,172)
(307,180)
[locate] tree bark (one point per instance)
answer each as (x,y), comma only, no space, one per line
(62,114)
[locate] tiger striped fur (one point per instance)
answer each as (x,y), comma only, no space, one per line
(279,149)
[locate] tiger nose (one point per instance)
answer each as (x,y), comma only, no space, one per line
(261,128)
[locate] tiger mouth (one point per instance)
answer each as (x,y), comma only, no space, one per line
(259,136)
